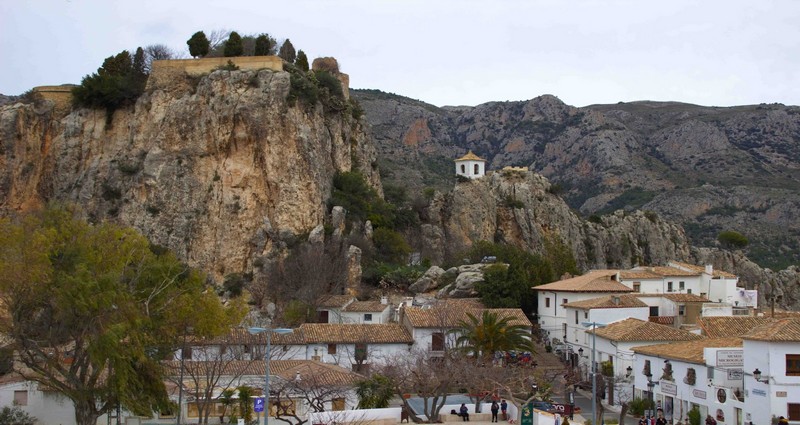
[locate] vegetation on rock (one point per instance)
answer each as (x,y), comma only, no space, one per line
(118,82)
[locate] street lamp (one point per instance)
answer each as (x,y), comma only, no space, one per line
(594,326)
(757,377)
(269,332)
(178,417)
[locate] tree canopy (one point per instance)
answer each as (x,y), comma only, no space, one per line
(482,336)
(234,45)
(119,81)
(263,45)
(287,51)
(302,61)
(199,44)
(93,308)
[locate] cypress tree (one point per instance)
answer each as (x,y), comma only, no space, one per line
(287,52)
(198,44)
(302,61)
(234,46)
(263,45)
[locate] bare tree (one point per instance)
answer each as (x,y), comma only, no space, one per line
(314,386)
(428,377)
(217,39)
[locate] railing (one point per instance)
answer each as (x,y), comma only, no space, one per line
(663,320)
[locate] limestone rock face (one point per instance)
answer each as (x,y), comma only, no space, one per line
(516,208)
(428,281)
(220,169)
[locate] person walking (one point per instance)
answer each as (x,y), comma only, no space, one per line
(464,413)
(504,409)
(495,408)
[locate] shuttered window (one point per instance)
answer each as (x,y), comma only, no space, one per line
(21,398)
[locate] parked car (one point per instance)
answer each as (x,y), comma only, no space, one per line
(545,406)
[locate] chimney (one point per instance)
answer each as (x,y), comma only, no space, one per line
(297,376)
(384,299)
(710,269)
(615,300)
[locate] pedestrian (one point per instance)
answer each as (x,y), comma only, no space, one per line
(495,407)
(643,421)
(504,409)
(661,419)
(464,411)
(783,421)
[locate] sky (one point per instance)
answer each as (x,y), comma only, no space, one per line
(448,52)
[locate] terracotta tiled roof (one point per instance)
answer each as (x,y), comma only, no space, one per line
(366,306)
(334,301)
(689,351)
(240,336)
(679,298)
(450,317)
(312,371)
(594,281)
(470,157)
(702,269)
(655,272)
(354,333)
(730,326)
(610,301)
(780,330)
(638,330)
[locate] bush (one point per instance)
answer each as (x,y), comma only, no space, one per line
(732,239)
(14,415)
(328,81)
(234,45)
(390,246)
(512,202)
(694,416)
(118,82)
(302,61)
(287,52)
(263,45)
(639,405)
(198,44)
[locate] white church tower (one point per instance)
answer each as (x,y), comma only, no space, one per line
(470,166)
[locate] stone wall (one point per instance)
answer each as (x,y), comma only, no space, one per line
(163,72)
(60,95)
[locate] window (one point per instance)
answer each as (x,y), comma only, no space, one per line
(361,352)
(585,314)
(463,169)
(637,286)
(669,286)
(437,341)
(21,398)
(186,353)
(337,404)
(476,169)
(689,291)
(246,348)
(564,301)
(547,302)
(793,365)
(654,311)
(564,326)
(331,348)
(576,317)
(368,317)
(793,411)
(681,285)
(646,370)
(682,310)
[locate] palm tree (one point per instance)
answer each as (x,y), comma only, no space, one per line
(482,337)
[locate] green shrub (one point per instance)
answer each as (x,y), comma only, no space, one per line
(118,82)
(607,368)
(301,88)
(694,416)
(14,415)
(639,405)
(234,45)
(390,246)
(512,202)
(732,239)
(328,81)
(198,44)
(230,66)
(651,215)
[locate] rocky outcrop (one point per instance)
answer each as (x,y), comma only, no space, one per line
(222,169)
(518,208)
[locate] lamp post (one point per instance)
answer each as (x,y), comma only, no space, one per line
(180,380)
(594,326)
(269,330)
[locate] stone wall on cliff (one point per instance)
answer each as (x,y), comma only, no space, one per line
(219,168)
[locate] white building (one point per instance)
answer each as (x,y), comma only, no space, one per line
(706,374)
(552,297)
(470,166)
(772,371)
(355,346)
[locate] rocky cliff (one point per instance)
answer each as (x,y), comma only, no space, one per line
(221,168)
(707,168)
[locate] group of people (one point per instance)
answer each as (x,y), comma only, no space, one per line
(463,411)
(649,420)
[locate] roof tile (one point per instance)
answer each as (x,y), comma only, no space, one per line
(779,330)
(730,326)
(638,330)
(350,333)
(689,351)
(594,281)
(610,301)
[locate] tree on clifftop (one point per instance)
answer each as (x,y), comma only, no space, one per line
(91,309)
(287,52)
(198,44)
(263,45)
(119,81)
(234,46)
(302,61)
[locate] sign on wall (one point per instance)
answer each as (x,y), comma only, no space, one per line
(699,393)
(735,374)
(669,388)
(730,358)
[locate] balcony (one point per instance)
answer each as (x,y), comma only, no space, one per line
(663,320)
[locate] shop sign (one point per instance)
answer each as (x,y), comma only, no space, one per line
(762,393)
(669,388)
(780,393)
(699,394)
(735,374)
(730,358)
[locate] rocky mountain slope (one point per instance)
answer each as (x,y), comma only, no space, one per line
(708,168)
(221,169)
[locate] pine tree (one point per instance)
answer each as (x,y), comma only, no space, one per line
(234,46)
(263,45)
(287,52)
(302,61)
(198,44)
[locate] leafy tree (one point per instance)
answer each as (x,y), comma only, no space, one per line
(375,392)
(287,52)
(14,415)
(732,239)
(482,337)
(263,45)
(234,46)
(302,61)
(119,81)
(92,308)
(228,401)
(246,394)
(390,246)
(198,44)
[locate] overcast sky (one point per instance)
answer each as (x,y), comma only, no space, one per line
(449,52)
